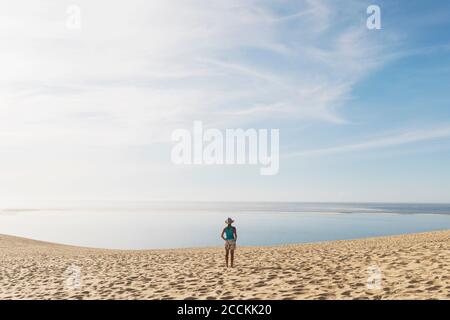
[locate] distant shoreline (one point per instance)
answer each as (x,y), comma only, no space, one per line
(50,243)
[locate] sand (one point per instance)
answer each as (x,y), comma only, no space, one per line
(414,266)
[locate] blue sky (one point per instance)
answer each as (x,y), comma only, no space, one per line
(87,113)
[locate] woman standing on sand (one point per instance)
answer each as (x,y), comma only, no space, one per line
(230,240)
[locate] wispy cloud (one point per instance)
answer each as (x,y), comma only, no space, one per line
(148,66)
(379,143)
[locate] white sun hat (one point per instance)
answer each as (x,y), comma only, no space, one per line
(229,221)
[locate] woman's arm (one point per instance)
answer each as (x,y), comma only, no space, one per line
(223,231)
(235,233)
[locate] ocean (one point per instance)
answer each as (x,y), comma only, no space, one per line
(153,225)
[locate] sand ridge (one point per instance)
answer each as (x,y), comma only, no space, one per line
(413,266)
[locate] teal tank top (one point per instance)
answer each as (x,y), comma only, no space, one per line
(229,233)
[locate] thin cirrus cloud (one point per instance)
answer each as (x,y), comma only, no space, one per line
(403,138)
(145,68)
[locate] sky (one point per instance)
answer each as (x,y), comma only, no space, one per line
(90,93)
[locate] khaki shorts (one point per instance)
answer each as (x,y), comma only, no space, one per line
(230,244)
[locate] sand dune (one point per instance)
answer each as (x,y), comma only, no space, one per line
(415,266)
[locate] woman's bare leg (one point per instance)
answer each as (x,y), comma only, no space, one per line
(232,258)
(226,257)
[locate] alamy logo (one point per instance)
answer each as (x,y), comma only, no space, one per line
(235,146)
(373,22)
(373,278)
(73,278)
(73,20)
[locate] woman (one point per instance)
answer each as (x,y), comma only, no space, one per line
(230,240)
